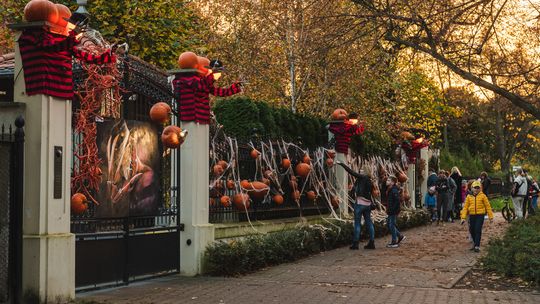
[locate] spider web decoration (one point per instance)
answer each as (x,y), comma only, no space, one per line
(99,97)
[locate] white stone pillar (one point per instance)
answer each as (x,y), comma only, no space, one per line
(342,185)
(48,246)
(423,187)
(194,211)
(411,171)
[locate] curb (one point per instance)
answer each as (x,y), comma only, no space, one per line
(457,279)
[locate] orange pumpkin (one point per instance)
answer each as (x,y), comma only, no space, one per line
(79,204)
(172,137)
(295,195)
(63,13)
(254,153)
(225,201)
(223,164)
(311,195)
(268,173)
(329,162)
(244,184)
(265,181)
(302,170)
(230,184)
(285,163)
(212,202)
(278,199)
(293,184)
(407,135)
(257,189)
(202,64)
(41,10)
(306,159)
(160,112)
(218,170)
(240,200)
(188,60)
(339,114)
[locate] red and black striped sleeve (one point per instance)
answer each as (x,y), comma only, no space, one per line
(224,92)
(106,57)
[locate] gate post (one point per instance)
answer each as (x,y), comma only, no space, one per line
(423,187)
(48,261)
(342,185)
(194,211)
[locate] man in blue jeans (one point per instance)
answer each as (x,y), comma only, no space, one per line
(362,207)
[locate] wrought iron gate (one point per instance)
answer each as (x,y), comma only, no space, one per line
(11,195)
(117,250)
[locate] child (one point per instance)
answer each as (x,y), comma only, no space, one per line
(476,206)
(431,202)
(393,211)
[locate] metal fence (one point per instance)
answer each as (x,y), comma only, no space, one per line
(11,183)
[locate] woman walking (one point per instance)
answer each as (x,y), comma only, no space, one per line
(456,176)
(476,207)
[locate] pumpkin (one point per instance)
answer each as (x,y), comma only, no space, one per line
(223,164)
(265,181)
(302,170)
(218,185)
(230,184)
(257,189)
(306,159)
(63,13)
(331,153)
(334,201)
(225,201)
(293,184)
(172,137)
(188,60)
(402,177)
(329,162)
(285,163)
(278,199)
(407,135)
(212,202)
(41,10)
(202,65)
(311,195)
(295,195)
(339,114)
(218,170)
(244,184)
(241,201)
(160,112)
(78,203)
(254,153)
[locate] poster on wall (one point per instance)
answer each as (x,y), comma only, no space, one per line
(130,155)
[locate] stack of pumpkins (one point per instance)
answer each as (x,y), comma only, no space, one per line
(45,10)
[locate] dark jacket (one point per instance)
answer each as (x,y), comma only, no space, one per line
(442,185)
(394,206)
(458,179)
(486,182)
(362,184)
(432,180)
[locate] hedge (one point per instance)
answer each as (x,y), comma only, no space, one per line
(246,255)
(242,118)
(517,253)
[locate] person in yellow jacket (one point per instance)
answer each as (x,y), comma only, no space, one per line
(476,206)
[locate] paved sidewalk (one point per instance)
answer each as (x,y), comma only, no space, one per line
(429,261)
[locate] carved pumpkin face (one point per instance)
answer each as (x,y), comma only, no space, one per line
(339,114)
(41,10)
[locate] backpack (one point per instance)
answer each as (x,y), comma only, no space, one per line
(515,189)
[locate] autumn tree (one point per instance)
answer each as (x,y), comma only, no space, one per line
(469,37)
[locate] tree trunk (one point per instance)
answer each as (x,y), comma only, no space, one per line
(501,148)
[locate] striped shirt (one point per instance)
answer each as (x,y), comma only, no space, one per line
(47,62)
(202,109)
(192,93)
(343,133)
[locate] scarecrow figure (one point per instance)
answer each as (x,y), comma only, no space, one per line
(344,129)
(47,61)
(194,83)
